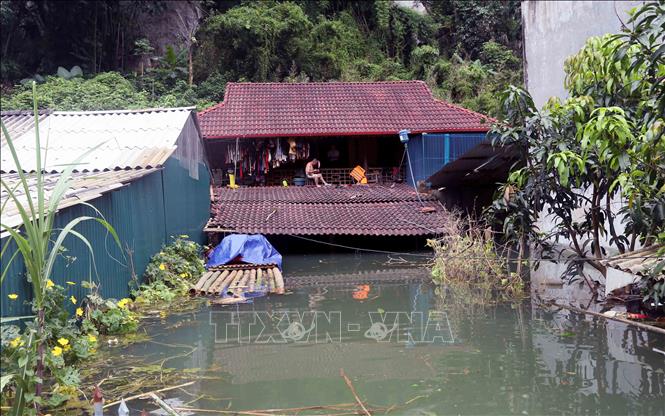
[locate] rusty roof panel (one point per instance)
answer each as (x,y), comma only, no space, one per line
(638,261)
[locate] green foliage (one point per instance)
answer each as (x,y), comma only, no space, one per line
(39,244)
(178,261)
(603,143)
(66,345)
(171,272)
(112,317)
(266,37)
(465,26)
(498,57)
(466,52)
(468,263)
(105,91)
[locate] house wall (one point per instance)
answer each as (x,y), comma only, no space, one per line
(430,152)
(145,213)
(554,30)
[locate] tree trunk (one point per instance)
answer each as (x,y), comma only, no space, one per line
(610,221)
(191,67)
(520,255)
(595,224)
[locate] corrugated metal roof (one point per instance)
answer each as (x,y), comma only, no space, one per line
(18,121)
(84,187)
(122,139)
(483,163)
(638,261)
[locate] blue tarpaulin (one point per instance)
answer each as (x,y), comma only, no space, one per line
(246,248)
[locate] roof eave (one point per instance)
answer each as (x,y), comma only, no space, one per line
(328,134)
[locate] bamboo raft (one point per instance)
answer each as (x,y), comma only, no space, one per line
(236,283)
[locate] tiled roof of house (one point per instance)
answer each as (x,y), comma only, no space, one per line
(368,210)
(334,109)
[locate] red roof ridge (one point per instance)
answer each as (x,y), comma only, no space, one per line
(337,108)
(209,109)
(399,81)
(459,107)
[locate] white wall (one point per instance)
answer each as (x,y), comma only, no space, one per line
(554,30)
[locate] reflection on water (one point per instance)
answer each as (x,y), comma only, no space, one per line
(402,346)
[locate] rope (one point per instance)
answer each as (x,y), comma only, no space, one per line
(396,253)
(371,250)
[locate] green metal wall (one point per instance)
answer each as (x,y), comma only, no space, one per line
(144,213)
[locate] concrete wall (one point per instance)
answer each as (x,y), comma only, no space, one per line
(554,30)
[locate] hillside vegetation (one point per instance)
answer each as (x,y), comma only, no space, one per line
(88,55)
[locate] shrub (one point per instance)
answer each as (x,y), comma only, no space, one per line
(171,272)
(176,262)
(106,91)
(66,341)
(115,317)
(467,258)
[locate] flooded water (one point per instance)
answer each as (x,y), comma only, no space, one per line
(406,350)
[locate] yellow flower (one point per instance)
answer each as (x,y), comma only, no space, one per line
(93,350)
(56,351)
(122,303)
(162,267)
(49,283)
(63,341)
(79,311)
(70,283)
(16,342)
(183,274)
(12,296)
(73,299)
(92,338)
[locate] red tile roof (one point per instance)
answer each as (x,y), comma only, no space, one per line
(334,109)
(313,195)
(375,210)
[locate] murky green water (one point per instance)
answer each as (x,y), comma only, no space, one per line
(401,345)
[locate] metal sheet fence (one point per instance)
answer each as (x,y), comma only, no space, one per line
(430,152)
(144,213)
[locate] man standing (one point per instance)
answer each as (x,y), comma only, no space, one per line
(312,172)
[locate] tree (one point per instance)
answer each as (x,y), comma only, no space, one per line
(466,25)
(604,143)
(258,41)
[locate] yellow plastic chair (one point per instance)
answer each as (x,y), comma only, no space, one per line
(358,173)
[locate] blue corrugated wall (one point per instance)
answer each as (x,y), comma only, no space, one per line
(430,152)
(144,213)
